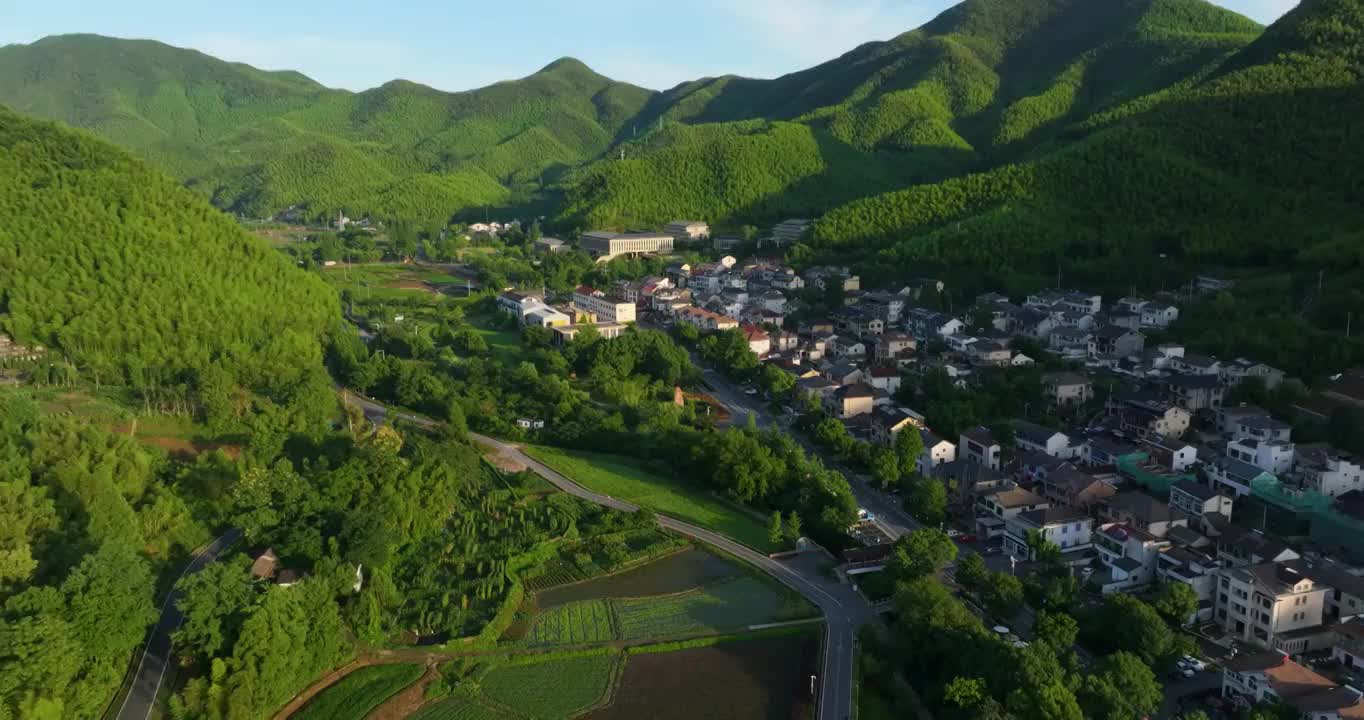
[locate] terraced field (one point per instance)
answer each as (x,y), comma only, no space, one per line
(458,708)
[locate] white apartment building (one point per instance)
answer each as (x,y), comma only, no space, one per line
(1261,603)
(596,303)
(1326,470)
(1067,527)
(1272,456)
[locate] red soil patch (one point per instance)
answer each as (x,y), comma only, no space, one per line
(181,447)
(409,285)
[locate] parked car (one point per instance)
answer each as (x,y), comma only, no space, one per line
(965,538)
(1193,663)
(953,533)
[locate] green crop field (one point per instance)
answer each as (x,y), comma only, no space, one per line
(624,480)
(553,689)
(582,622)
(359,693)
(457,708)
(728,605)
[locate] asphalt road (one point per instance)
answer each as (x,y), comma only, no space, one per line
(156,658)
(844,610)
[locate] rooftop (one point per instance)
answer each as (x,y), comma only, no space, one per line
(1017,497)
(1053,516)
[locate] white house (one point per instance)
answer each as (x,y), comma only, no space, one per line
(1067,527)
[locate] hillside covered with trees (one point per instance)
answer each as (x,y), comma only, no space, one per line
(259,142)
(987,81)
(127,278)
(1254,172)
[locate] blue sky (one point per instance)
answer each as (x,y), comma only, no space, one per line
(461,44)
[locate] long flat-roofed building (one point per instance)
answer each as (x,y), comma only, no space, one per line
(604,244)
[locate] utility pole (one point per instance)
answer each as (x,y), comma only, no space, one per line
(1349,319)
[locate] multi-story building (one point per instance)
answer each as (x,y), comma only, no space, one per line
(1116,342)
(1194,567)
(1143,512)
(937,451)
(1272,456)
(687,231)
(1036,438)
(1236,476)
(605,245)
(705,320)
(1196,499)
(995,509)
(1273,678)
(892,346)
(978,445)
(1067,527)
(850,401)
(1194,392)
(1129,556)
(887,423)
(1322,468)
(1067,388)
(1144,418)
(599,305)
(1265,603)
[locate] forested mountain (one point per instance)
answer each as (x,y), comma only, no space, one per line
(1256,170)
(258,142)
(129,278)
(986,81)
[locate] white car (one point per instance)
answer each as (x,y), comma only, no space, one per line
(1193,663)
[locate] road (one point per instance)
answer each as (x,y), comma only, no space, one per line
(156,658)
(844,610)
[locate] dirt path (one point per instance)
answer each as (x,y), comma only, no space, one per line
(408,701)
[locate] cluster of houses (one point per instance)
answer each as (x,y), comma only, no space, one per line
(10,350)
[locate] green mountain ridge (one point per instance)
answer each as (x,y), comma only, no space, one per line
(1254,171)
(985,82)
(257,142)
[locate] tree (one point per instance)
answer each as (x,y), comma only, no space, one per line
(777,382)
(1003,597)
(793,528)
(972,574)
(909,446)
(1125,623)
(920,554)
(1056,630)
(927,500)
(775,533)
(885,467)
(1043,550)
(214,602)
(1176,602)
(1120,687)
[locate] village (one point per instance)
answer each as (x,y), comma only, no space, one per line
(1148,475)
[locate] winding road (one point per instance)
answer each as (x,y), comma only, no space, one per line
(156,657)
(844,610)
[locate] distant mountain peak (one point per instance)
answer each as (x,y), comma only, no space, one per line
(567,65)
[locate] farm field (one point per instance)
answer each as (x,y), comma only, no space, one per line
(583,622)
(359,693)
(625,480)
(553,689)
(723,606)
(674,573)
(764,679)
(727,605)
